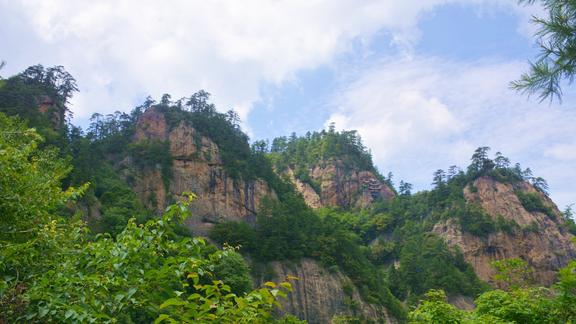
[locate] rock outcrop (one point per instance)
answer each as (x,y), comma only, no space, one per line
(197,168)
(56,113)
(340,185)
(540,240)
(319,295)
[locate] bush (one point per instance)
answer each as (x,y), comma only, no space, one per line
(532,202)
(151,154)
(474,220)
(234,272)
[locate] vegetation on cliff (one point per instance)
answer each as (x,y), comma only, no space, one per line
(305,152)
(53,270)
(129,264)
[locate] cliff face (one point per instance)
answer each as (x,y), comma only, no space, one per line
(319,295)
(341,186)
(197,168)
(547,247)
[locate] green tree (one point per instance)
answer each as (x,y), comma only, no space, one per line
(512,273)
(2,64)
(556,62)
(405,188)
(566,287)
(435,309)
(439,178)
(530,306)
(132,278)
(480,163)
(30,183)
(232,269)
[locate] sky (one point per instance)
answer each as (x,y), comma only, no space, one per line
(425,82)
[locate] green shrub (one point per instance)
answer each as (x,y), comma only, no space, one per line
(151,154)
(474,220)
(532,202)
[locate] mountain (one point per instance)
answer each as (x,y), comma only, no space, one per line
(536,230)
(314,207)
(339,175)
(330,169)
(196,166)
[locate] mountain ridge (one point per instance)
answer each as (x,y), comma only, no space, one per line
(314,206)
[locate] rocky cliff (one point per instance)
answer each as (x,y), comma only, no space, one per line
(539,237)
(339,185)
(320,295)
(196,167)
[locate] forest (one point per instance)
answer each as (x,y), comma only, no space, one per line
(133,265)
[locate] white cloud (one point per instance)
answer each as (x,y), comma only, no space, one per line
(426,113)
(421,114)
(563,152)
(122,50)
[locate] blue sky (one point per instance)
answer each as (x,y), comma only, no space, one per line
(425,82)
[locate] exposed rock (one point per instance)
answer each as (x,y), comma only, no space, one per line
(462,302)
(342,186)
(308,193)
(547,250)
(56,113)
(150,189)
(196,167)
(318,295)
(151,124)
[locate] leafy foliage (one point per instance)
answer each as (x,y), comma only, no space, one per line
(140,269)
(215,303)
(116,202)
(91,154)
(512,273)
(557,41)
(131,278)
(56,272)
(435,309)
(30,183)
(517,305)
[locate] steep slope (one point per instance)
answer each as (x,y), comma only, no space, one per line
(331,169)
(539,236)
(319,295)
(196,166)
(341,186)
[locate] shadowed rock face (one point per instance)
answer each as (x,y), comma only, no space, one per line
(196,167)
(547,249)
(318,295)
(341,186)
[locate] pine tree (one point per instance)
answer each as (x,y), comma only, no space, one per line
(557,60)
